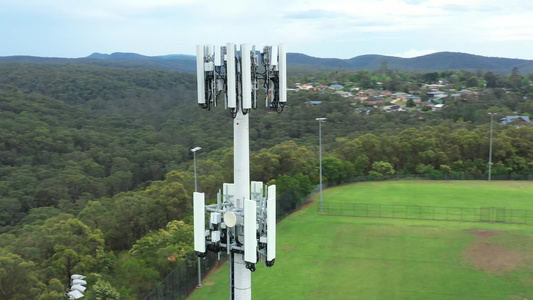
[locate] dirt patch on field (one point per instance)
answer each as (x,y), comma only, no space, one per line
(491,257)
(485,234)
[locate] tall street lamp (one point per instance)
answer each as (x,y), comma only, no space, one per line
(320,121)
(490,146)
(196,190)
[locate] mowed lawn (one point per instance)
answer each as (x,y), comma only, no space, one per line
(467,193)
(330,257)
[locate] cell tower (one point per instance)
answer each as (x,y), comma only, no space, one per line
(242,223)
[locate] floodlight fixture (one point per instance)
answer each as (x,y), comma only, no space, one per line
(77,286)
(196,149)
(79,281)
(74,294)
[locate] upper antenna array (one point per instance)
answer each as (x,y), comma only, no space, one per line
(223,73)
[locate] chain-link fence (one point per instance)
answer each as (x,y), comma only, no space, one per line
(184,279)
(439,213)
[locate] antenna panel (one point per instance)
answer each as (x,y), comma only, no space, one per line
(200,75)
(218,57)
(250,231)
(232,75)
(246,73)
(282,74)
(199,222)
(228,192)
(271,223)
(208,54)
(274,56)
(257,190)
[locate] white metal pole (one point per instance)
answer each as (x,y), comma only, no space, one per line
(490,146)
(320,120)
(241,164)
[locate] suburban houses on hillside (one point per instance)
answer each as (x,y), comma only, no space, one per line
(429,97)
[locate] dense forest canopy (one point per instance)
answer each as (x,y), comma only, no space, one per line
(96,171)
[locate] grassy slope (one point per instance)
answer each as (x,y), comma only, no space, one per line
(323,257)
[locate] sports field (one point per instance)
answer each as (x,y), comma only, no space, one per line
(330,257)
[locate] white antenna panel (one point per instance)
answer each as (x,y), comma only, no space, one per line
(228,192)
(282,74)
(250,231)
(271,223)
(200,76)
(218,56)
(208,54)
(246,73)
(232,75)
(257,190)
(199,222)
(274,56)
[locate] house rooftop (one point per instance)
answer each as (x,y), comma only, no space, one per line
(509,119)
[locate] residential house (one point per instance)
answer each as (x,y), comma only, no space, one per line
(336,87)
(518,120)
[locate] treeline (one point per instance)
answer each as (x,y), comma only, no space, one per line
(96,171)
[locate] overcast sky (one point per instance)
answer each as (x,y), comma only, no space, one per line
(321,28)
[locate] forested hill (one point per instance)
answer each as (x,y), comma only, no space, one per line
(432,62)
(298,62)
(96,173)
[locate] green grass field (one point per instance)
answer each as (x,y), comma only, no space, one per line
(327,257)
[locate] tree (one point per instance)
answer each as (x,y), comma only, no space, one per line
(54,291)
(380,168)
(18,279)
(170,201)
(102,290)
(165,248)
(491,79)
(291,191)
(333,169)
(75,247)
(410,103)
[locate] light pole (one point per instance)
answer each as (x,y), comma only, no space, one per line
(490,146)
(196,190)
(320,121)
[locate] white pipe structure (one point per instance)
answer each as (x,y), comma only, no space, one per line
(241,223)
(490,146)
(320,121)
(241,177)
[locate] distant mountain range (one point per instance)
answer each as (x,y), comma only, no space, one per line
(299,63)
